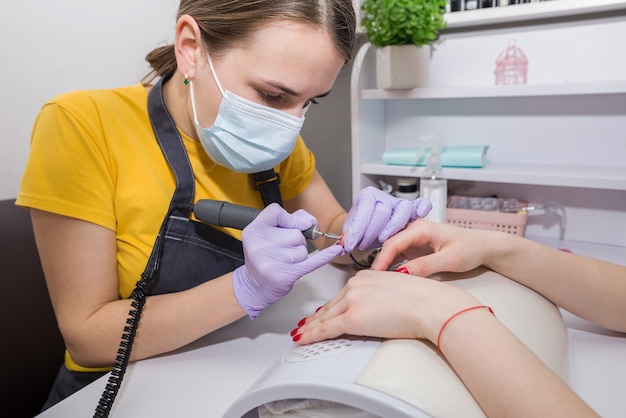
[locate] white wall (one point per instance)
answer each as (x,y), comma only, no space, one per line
(52,46)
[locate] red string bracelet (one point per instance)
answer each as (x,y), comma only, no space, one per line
(457,314)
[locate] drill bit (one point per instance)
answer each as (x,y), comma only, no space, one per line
(314,233)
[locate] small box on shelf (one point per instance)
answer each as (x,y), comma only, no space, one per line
(512,223)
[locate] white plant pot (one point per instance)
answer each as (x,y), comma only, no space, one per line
(402,66)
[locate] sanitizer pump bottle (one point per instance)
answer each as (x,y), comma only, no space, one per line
(433,184)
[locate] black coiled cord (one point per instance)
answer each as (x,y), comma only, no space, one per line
(103,409)
(138,296)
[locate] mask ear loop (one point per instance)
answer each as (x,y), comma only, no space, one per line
(191,90)
(219,86)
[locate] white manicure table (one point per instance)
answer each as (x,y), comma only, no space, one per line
(206,377)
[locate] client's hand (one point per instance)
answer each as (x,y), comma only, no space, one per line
(276,256)
(385,305)
(447,248)
(375,216)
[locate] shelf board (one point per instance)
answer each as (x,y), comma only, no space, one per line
(611,178)
(566,89)
(530,12)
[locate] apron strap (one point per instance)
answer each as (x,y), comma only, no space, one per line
(267,182)
(173,149)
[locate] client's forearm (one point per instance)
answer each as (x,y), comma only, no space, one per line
(590,288)
(503,375)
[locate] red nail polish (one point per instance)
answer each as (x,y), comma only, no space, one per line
(317,310)
(296,338)
(302,321)
(294,332)
(402,270)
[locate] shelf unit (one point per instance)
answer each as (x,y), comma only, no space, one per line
(565,89)
(531,12)
(524,12)
(610,178)
(593,193)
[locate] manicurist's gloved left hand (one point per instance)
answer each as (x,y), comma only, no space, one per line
(375,216)
(276,256)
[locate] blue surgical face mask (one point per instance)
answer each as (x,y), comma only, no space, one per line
(247,137)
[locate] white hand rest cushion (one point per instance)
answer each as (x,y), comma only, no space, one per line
(404,378)
(415,372)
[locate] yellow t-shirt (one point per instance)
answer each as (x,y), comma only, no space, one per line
(94,156)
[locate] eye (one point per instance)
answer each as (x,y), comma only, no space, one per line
(270,98)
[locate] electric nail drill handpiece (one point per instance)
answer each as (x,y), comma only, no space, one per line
(228,215)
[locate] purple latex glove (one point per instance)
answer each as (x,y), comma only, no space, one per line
(276,257)
(375,216)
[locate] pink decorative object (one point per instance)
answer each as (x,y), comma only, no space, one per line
(512,66)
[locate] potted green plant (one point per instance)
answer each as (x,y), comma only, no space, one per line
(402,31)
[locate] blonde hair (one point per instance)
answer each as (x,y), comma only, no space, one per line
(225,23)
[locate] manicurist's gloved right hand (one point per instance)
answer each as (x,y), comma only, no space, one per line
(276,256)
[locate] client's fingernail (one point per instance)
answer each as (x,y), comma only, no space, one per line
(296,338)
(402,270)
(302,321)
(317,310)
(294,332)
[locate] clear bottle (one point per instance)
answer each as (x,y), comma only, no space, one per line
(433,183)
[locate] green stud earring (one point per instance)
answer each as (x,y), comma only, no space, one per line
(186,80)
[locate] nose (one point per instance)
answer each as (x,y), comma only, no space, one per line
(295,111)
(300,110)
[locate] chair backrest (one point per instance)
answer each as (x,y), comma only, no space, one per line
(32,346)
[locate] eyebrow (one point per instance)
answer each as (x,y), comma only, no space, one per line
(279,86)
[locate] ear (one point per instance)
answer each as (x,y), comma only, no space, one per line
(187,45)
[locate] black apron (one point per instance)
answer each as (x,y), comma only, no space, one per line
(191,252)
